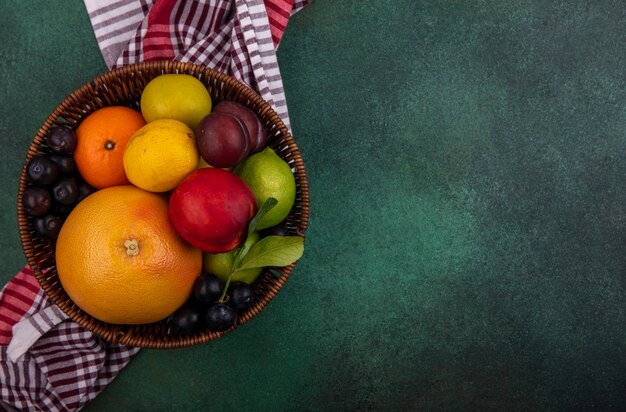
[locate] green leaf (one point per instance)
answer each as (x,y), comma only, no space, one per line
(265,207)
(273,251)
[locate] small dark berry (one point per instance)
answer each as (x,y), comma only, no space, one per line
(278,230)
(186,320)
(62,140)
(48,226)
(84,190)
(61,210)
(220,317)
(207,288)
(65,163)
(41,171)
(241,296)
(36,201)
(65,191)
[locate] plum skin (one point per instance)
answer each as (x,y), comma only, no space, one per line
(256,131)
(222,140)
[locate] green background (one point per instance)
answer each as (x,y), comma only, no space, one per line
(467,242)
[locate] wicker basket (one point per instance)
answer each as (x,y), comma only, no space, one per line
(123,87)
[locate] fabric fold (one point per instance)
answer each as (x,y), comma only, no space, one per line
(238,37)
(28,330)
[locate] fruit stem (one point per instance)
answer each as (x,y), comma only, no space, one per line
(132,247)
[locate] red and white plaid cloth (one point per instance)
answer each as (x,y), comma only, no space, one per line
(47,362)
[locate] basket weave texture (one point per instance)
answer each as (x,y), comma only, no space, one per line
(123,87)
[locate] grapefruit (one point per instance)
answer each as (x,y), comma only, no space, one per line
(120,260)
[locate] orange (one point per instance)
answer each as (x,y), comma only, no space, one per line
(102,139)
(120,259)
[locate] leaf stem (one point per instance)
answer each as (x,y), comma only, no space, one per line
(233,265)
(238,257)
(230,276)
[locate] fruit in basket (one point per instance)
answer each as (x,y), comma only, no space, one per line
(219,264)
(102,139)
(220,317)
(41,171)
(65,191)
(62,139)
(268,175)
(84,190)
(207,288)
(65,163)
(241,296)
(222,140)
(36,201)
(120,259)
(160,155)
(278,230)
(176,96)
(252,123)
(74,110)
(48,226)
(61,210)
(187,320)
(211,209)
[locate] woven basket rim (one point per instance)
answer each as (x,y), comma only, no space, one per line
(41,259)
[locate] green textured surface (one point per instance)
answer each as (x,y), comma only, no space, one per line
(467,243)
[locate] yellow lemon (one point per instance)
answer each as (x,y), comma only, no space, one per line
(160,155)
(176,96)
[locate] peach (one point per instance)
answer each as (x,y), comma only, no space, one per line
(211,209)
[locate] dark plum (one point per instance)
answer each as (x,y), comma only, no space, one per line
(61,210)
(41,171)
(187,320)
(48,226)
(222,140)
(207,288)
(220,317)
(36,201)
(261,137)
(65,191)
(84,190)
(256,131)
(241,296)
(65,164)
(62,140)
(278,230)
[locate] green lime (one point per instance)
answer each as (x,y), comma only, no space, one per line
(267,175)
(219,263)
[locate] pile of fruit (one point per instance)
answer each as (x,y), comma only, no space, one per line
(171,212)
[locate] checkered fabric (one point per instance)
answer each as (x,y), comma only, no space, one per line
(236,37)
(47,362)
